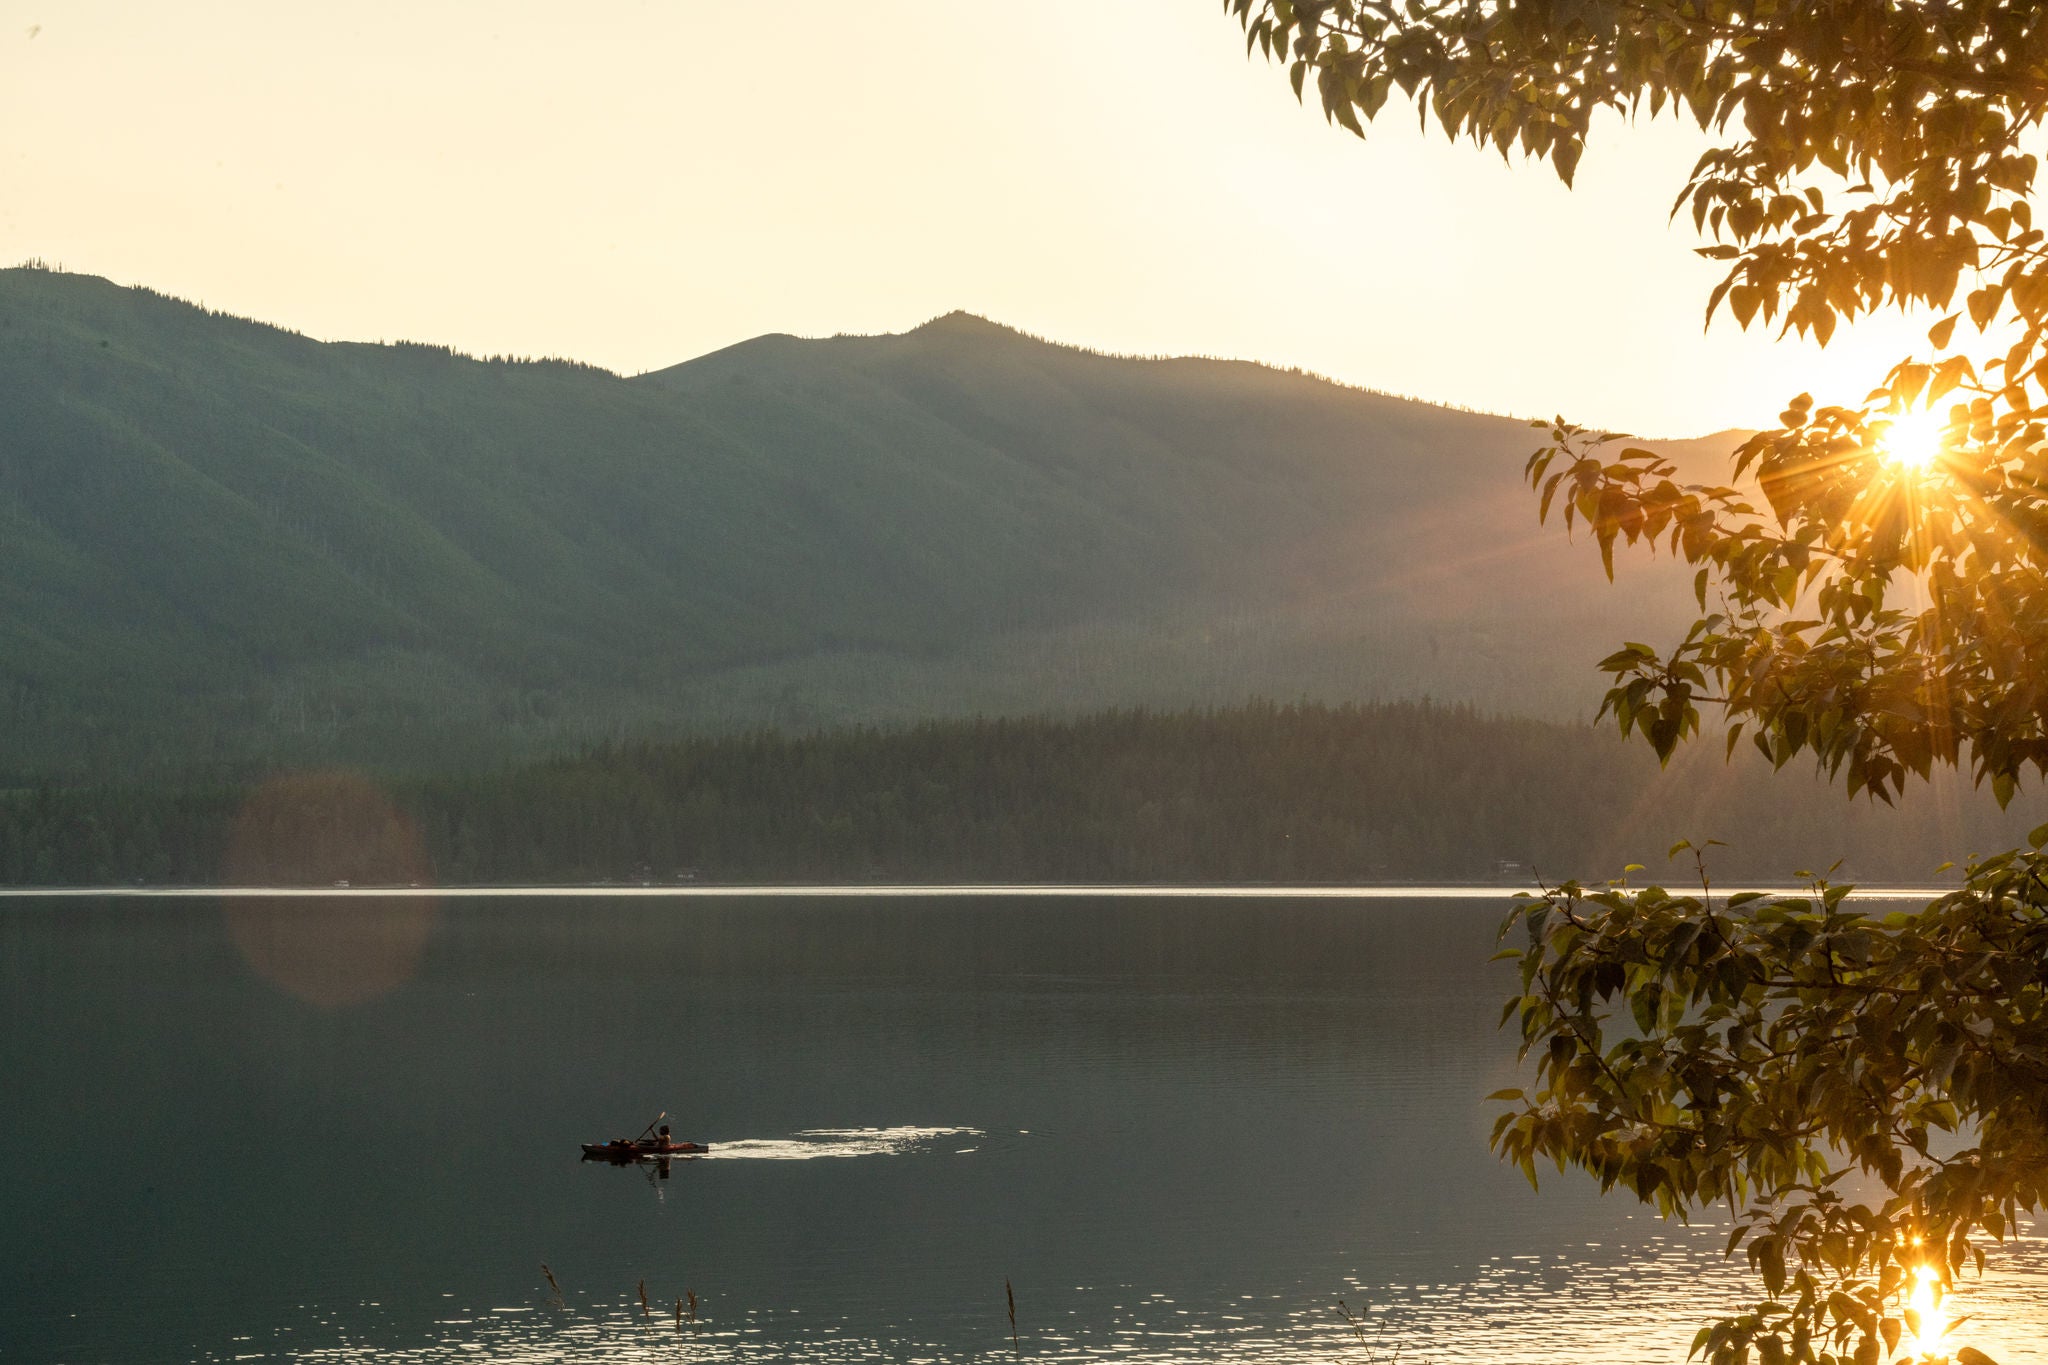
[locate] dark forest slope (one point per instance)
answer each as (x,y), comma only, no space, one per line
(228,542)
(1248,794)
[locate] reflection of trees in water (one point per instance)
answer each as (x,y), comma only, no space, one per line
(324,829)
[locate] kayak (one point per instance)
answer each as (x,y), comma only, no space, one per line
(621,1150)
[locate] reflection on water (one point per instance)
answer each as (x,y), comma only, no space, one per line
(1180,1129)
(1573,1307)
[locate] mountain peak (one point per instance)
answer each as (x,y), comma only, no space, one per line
(960,322)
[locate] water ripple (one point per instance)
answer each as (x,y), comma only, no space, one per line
(811,1144)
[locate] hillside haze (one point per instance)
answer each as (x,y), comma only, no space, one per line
(230,543)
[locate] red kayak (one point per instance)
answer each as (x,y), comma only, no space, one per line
(618,1149)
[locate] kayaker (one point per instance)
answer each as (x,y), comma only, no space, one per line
(665,1143)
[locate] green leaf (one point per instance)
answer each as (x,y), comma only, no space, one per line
(1565,157)
(1883,622)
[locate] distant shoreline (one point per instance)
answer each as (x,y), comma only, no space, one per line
(1258,795)
(1375,891)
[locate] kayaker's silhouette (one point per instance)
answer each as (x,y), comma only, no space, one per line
(622,1150)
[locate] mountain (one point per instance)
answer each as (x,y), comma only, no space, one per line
(228,543)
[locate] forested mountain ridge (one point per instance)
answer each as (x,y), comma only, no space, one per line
(226,542)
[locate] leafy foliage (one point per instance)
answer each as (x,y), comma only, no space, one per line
(1771,1052)
(1882,618)
(1879,608)
(1888,620)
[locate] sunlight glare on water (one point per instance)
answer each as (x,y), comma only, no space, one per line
(1925,1315)
(1515,1310)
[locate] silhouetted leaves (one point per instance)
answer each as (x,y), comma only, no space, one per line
(1760,1050)
(1880,619)
(1880,614)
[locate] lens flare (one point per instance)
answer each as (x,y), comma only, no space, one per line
(325,829)
(1911,441)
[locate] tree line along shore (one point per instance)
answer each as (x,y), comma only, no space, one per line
(1259,793)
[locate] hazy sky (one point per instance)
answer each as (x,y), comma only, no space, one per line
(634,182)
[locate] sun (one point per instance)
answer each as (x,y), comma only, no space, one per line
(1912,440)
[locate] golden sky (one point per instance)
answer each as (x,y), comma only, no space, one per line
(635,182)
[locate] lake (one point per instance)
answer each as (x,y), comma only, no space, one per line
(1178,1126)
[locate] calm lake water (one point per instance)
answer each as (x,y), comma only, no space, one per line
(1178,1127)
